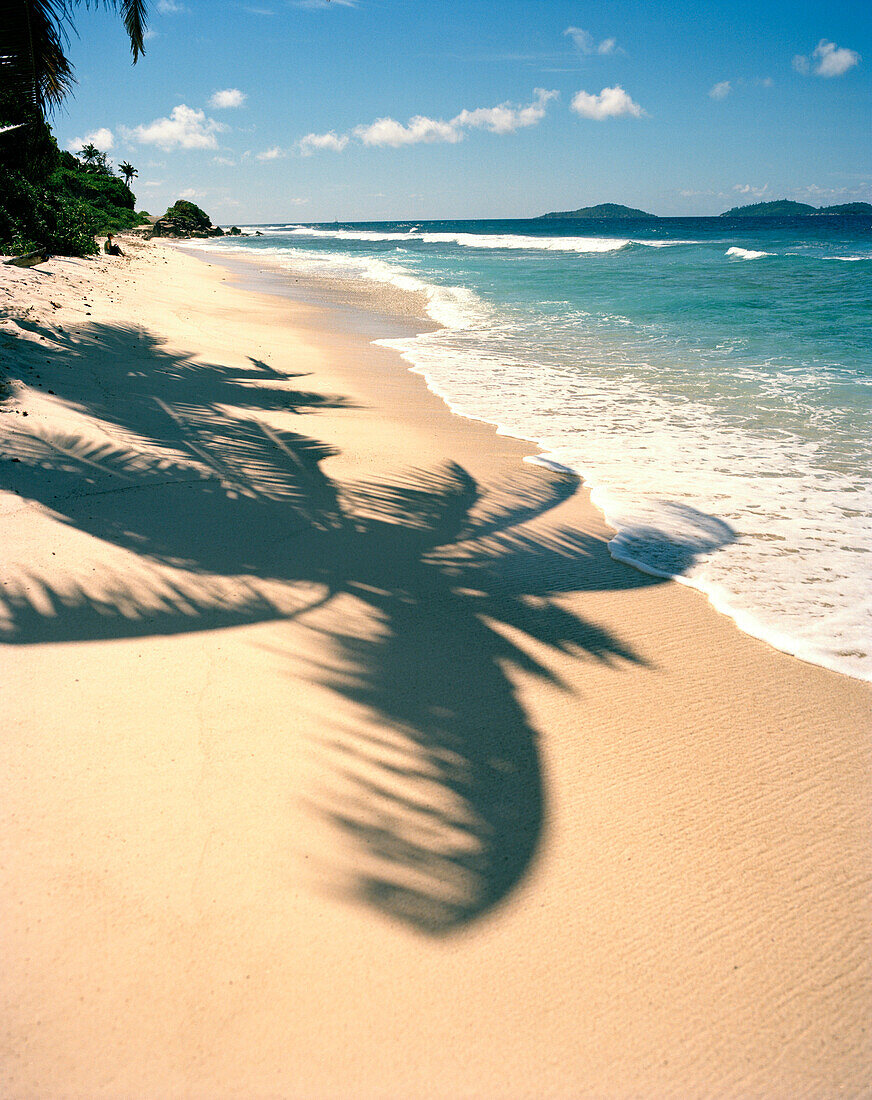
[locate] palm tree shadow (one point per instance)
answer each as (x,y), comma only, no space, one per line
(223,518)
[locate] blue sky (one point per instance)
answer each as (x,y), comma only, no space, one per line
(310,110)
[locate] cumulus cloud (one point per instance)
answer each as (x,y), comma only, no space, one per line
(102,138)
(585,43)
(271,154)
(170,7)
(833,60)
(505,119)
(502,119)
(228,97)
(185,128)
(387,131)
(828,59)
(313,142)
(610,103)
(721,90)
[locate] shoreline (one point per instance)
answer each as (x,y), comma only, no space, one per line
(364,768)
(367,310)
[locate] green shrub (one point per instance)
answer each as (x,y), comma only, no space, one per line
(48,198)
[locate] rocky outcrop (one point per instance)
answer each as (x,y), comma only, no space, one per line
(185,219)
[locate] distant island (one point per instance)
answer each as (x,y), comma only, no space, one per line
(605,210)
(781,208)
(784,208)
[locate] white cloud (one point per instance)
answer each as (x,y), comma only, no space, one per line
(271,154)
(610,103)
(505,119)
(191,193)
(801,63)
(750,189)
(834,60)
(184,129)
(721,90)
(766,82)
(170,7)
(502,119)
(153,183)
(387,131)
(584,42)
(228,97)
(315,5)
(226,161)
(331,140)
(102,138)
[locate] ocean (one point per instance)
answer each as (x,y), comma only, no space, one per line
(709,378)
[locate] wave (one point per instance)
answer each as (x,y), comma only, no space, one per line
(514,241)
(746,253)
(675,482)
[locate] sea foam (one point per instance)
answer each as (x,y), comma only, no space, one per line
(747,253)
(728,466)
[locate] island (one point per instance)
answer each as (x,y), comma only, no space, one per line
(785,208)
(605,211)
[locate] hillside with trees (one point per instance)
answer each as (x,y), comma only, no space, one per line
(604,211)
(50,199)
(785,208)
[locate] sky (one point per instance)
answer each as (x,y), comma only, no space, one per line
(367,110)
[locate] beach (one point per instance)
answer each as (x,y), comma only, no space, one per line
(342,759)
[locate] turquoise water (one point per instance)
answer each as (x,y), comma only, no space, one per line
(710,378)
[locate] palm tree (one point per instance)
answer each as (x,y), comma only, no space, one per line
(127,171)
(34,68)
(89,153)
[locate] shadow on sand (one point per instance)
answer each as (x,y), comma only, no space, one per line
(218,512)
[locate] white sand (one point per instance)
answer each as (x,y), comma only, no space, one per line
(340,760)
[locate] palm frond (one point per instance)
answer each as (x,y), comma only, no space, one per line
(34,68)
(134,15)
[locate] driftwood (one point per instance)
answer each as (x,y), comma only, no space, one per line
(29,259)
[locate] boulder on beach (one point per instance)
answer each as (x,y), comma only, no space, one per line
(185,219)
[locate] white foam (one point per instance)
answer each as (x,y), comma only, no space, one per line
(747,253)
(744,513)
(550,464)
(519,242)
(746,517)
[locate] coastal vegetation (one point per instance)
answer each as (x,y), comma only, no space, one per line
(50,199)
(186,219)
(53,200)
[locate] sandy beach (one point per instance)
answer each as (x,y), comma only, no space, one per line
(341,759)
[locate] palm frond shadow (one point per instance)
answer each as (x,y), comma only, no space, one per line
(224,519)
